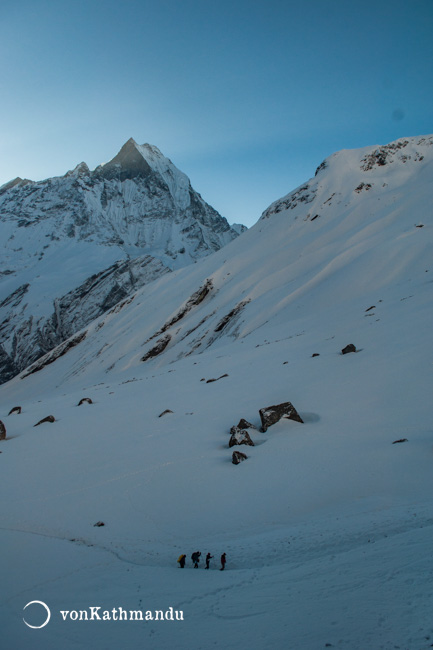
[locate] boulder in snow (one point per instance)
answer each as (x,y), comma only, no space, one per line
(164,413)
(2,431)
(209,381)
(348,348)
(239,437)
(49,418)
(238,457)
(85,400)
(272,414)
(16,409)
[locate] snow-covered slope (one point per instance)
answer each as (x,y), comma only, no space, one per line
(59,233)
(327,523)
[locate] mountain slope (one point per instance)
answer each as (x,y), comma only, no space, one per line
(327,523)
(331,244)
(61,232)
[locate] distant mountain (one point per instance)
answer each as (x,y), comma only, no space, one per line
(73,246)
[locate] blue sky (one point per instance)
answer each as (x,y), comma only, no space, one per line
(246,97)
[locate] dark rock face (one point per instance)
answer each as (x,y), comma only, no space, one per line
(160,346)
(49,418)
(348,348)
(99,524)
(240,437)
(238,457)
(231,315)
(272,414)
(16,409)
(127,165)
(401,440)
(2,431)
(193,301)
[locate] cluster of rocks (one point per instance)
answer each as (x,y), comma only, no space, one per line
(17,410)
(269,415)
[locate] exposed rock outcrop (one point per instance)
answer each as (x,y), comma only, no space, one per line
(160,346)
(349,348)
(193,301)
(2,431)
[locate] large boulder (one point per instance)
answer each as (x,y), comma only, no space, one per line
(272,414)
(240,437)
(2,431)
(238,457)
(348,348)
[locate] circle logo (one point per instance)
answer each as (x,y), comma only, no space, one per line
(38,602)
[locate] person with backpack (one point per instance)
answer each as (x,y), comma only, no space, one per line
(208,559)
(181,560)
(223,561)
(195,557)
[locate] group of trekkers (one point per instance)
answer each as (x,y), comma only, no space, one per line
(195,557)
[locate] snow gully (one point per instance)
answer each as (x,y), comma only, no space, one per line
(120,614)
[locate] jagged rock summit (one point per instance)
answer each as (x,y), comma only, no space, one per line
(75,245)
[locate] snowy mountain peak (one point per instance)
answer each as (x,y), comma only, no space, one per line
(90,238)
(80,170)
(357,170)
(16,181)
